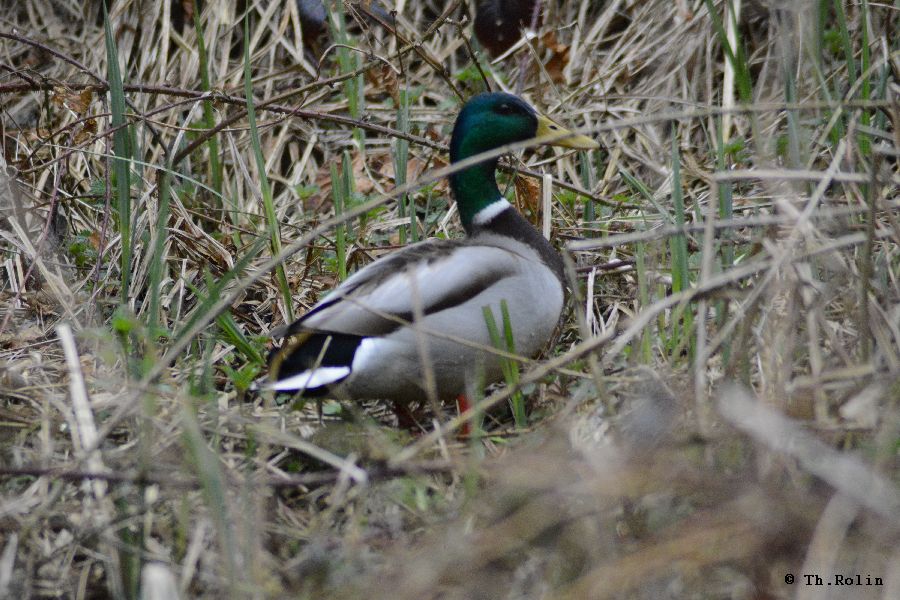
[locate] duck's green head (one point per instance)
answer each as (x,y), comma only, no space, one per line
(487,122)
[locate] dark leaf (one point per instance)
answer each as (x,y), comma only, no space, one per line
(313,20)
(499,23)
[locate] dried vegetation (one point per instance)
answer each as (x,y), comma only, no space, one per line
(719,409)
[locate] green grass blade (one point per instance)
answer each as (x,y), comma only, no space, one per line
(129,550)
(638,186)
(510,370)
(217,289)
(678,243)
(230,330)
(846,43)
(121,154)
(517,402)
(205,464)
(349,184)
(736,56)
(865,92)
(401,162)
(233,334)
(585,170)
(645,346)
(681,277)
(789,70)
(158,258)
(209,120)
(348,62)
(726,213)
(265,188)
(340,243)
(881,94)
(846,46)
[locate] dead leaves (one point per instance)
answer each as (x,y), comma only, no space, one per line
(528,198)
(79,102)
(559,57)
(372,174)
(87,131)
(22,338)
(385,79)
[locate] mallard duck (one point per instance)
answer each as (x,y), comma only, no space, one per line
(363,340)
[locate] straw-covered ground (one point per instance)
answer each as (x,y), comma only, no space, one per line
(717,416)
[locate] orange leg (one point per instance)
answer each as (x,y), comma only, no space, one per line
(462,404)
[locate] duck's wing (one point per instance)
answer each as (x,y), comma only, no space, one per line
(378,300)
(424,278)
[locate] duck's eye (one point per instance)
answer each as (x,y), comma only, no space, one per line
(505,109)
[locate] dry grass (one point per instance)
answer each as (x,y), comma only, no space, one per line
(719,409)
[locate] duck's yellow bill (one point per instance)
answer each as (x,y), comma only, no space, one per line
(557,135)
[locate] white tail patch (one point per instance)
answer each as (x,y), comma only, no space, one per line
(369,349)
(308,380)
